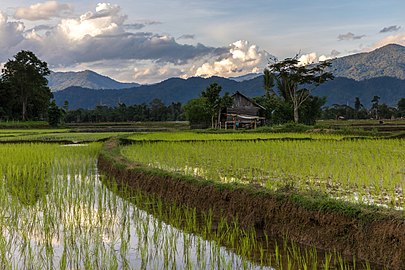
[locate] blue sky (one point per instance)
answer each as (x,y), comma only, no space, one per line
(149,41)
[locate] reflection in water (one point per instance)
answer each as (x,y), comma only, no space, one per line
(26,184)
(79,224)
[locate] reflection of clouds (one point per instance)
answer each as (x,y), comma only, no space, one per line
(82,217)
(96,224)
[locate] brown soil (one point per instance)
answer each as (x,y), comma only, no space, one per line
(381,241)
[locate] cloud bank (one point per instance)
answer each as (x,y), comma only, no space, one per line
(11,34)
(392,28)
(350,36)
(43,11)
(99,36)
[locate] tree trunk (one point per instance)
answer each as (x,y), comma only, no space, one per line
(219,119)
(212,121)
(296,116)
(24,109)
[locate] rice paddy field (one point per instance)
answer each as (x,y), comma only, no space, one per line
(232,136)
(56,135)
(55,213)
(58,212)
(370,171)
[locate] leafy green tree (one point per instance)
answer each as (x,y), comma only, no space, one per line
(337,111)
(311,110)
(401,107)
(361,112)
(268,82)
(158,110)
(357,104)
(215,103)
(296,82)
(197,113)
(25,80)
(7,100)
(175,112)
(374,107)
(224,102)
(55,114)
(386,112)
(277,110)
(213,100)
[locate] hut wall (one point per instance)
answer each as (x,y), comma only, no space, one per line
(244,110)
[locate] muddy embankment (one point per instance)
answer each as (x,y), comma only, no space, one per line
(369,233)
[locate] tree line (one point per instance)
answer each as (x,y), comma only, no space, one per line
(359,111)
(156,110)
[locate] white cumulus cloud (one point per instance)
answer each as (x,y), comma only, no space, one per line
(106,20)
(43,11)
(156,73)
(333,54)
(324,58)
(102,40)
(11,34)
(94,36)
(242,58)
(307,59)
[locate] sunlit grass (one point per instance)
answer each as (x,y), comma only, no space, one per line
(369,171)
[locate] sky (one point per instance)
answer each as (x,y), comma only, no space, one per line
(150,41)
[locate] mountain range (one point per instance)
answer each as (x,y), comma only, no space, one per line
(364,75)
(87,79)
(385,61)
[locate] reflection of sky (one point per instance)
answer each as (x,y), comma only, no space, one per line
(84,217)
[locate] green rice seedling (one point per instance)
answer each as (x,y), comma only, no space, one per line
(61,215)
(366,171)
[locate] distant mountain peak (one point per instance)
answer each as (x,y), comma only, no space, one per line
(87,79)
(391,46)
(386,61)
(245,77)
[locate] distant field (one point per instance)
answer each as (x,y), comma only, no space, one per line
(361,122)
(131,126)
(24,124)
(54,135)
(193,136)
(381,127)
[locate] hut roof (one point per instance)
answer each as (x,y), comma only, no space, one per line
(251,100)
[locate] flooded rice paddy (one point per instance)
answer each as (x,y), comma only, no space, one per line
(57,213)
